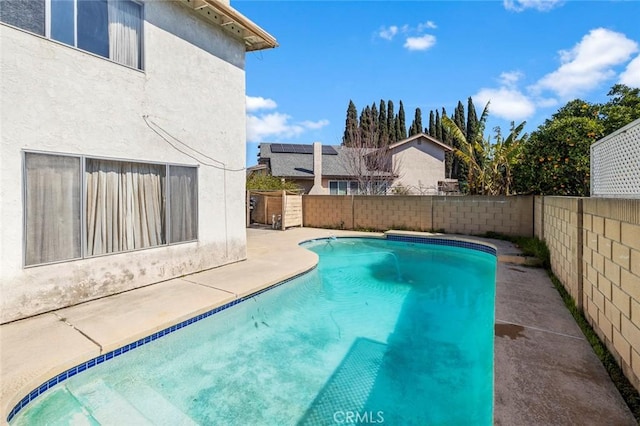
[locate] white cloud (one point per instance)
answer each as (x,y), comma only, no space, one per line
(427,25)
(588,64)
(277,125)
(631,75)
(255,103)
(506,102)
(315,124)
(420,43)
(510,78)
(539,5)
(388,33)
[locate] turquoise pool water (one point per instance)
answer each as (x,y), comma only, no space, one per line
(381,332)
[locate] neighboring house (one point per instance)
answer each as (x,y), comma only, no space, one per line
(420,161)
(119,119)
(414,165)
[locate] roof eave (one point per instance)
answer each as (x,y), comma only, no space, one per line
(232,21)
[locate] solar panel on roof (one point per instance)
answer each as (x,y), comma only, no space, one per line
(292,148)
(328,150)
(276,147)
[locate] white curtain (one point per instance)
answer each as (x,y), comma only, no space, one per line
(52,201)
(125,30)
(125,206)
(183,203)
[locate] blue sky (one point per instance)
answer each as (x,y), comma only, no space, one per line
(528,57)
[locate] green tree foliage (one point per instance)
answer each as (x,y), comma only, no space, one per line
(401,126)
(391,123)
(432,124)
(438,126)
(622,109)
(383,139)
(555,160)
(375,129)
(446,138)
(263,182)
(416,124)
(366,126)
(351,125)
(489,166)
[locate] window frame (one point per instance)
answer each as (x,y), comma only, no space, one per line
(83,204)
(48,25)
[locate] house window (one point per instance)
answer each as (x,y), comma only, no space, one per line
(52,186)
(108,28)
(120,206)
(343,187)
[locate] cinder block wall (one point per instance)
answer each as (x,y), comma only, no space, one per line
(563,235)
(467,215)
(327,211)
(611,265)
(397,212)
(481,214)
(538,216)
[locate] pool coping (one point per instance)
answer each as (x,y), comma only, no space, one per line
(290,260)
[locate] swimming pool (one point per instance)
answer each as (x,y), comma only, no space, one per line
(381,331)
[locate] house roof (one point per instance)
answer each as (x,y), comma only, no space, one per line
(235,23)
(428,138)
(300,164)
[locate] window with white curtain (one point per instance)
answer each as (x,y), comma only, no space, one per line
(123,205)
(108,28)
(52,188)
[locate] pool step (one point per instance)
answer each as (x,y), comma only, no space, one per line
(129,402)
(153,405)
(108,406)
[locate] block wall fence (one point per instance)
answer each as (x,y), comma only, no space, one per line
(595,252)
(594,245)
(463,215)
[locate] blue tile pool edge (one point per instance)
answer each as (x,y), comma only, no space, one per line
(445,241)
(60,378)
(418,239)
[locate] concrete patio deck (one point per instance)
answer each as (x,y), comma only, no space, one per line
(545,370)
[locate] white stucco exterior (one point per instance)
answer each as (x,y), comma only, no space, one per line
(59,99)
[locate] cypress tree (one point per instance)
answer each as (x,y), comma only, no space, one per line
(432,125)
(365,127)
(438,126)
(383,140)
(448,156)
(472,120)
(374,134)
(401,124)
(391,123)
(458,169)
(459,118)
(351,125)
(417,128)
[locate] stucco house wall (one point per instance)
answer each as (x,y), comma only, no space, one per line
(419,165)
(59,99)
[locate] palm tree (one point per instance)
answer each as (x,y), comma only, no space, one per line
(489,165)
(504,154)
(473,152)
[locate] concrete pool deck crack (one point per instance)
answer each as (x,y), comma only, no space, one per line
(64,320)
(236,295)
(557,333)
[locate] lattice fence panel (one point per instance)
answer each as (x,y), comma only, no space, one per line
(615,164)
